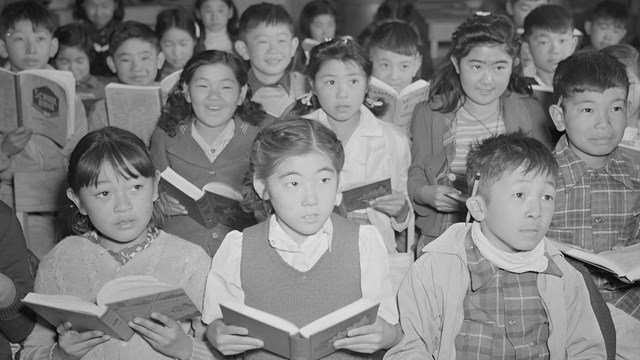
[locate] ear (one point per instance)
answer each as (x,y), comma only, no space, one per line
(294,45)
(161,59)
(587,27)
(525,46)
(187,94)
(418,64)
(111,64)
(76,201)
(455,64)
(476,207)
(53,49)
(197,13)
(509,7)
(243,94)
(242,49)
(230,13)
(338,199)
(260,186)
(3,49)
(557,115)
(156,181)
(516,61)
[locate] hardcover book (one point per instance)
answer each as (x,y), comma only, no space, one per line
(622,263)
(357,196)
(400,105)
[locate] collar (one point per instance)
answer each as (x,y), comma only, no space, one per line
(281,241)
(7,66)
(369,125)
(255,84)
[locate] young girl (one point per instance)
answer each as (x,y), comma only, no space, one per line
(205,134)
(317,23)
(478,92)
(176,30)
(286,264)
(339,72)
(113,186)
(628,55)
(101,16)
(218,20)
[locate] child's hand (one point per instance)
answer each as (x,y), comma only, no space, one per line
(231,340)
(75,345)
(7,291)
(434,195)
(394,205)
(370,338)
(168,337)
(15,141)
(175,208)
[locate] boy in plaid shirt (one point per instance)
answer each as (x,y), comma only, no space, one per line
(498,289)
(597,201)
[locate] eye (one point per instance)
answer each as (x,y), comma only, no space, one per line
(291,184)
(354,81)
(587,110)
(137,187)
(548,197)
(325,180)
(519,195)
(102,194)
(330,82)
(475,67)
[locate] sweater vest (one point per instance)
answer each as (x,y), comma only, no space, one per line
(274,286)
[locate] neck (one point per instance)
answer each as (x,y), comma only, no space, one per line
(545,77)
(267,79)
(209,134)
(345,128)
(482,111)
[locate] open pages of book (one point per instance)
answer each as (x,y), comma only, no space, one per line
(400,105)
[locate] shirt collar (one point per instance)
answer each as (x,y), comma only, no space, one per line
(368,125)
(255,84)
(281,241)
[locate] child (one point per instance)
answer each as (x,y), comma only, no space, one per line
(75,51)
(26,38)
(339,72)
(394,52)
(504,291)
(628,56)
(267,41)
(302,250)
(519,9)
(176,31)
(597,200)
(113,185)
(203,144)
(318,21)
(479,92)
(607,24)
(219,19)
(549,38)
(102,16)
(135,57)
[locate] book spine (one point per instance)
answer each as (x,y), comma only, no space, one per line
(117,324)
(207,212)
(300,348)
(19,100)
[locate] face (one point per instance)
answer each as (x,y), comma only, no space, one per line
(303,191)
(99,12)
(323,27)
(177,46)
(633,99)
(484,73)
(214,94)
(119,208)
(394,69)
(603,33)
(340,88)
(28,48)
(594,123)
(269,48)
(548,48)
(215,14)
(520,210)
(136,62)
(519,9)
(72,58)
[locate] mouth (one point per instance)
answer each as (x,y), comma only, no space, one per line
(214,108)
(125,224)
(272,62)
(310,217)
(343,108)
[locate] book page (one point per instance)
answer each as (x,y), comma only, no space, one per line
(590,258)
(381,91)
(627,258)
(64,302)
(181,183)
(413,94)
(8,102)
(134,108)
(167,84)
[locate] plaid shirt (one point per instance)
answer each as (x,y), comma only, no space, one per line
(598,209)
(504,317)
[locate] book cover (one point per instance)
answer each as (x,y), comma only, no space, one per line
(399,105)
(134,108)
(621,262)
(168,83)
(313,341)
(357,196)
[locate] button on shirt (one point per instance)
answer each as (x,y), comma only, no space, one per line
(213,150)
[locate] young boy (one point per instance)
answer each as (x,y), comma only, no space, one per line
(497,288)
(607,24)
(598,198)
(135,58)
(394,52)
(519,9)
(267,41)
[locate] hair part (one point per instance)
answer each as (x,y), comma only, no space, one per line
(264,14)
(396,36)
(312,10)
(588,71)
(132,30)
(552,18)
(75,35)
(32,11)
(118,13)
(498,155)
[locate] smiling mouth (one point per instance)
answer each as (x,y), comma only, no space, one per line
(214,108)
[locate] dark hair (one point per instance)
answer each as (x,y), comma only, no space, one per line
(178,111)
(497,155)
(112,146)
(397,37)
(32,11)
(611,10)
(131,30)
(626,54)
(548,17)
(263,13)
(589,70)
(75,35)
(394,9)
(283,139)
(478,30)
(179,18)
(311,11)
(118,13)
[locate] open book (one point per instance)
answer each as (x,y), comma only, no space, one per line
(138,108)
(357,196)
(215,203)
(399,105)
(621,262)
(118,302)
(41,100)
(313,341)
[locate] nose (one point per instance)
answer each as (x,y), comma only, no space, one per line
(341,92)
(603,121)
(309,197)
(122,202)
(31,46)
(533,208)
(487,77)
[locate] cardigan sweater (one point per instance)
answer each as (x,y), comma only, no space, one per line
(77,266)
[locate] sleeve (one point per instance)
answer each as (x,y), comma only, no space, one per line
(5,161)
(223,281)
(80,128)
(97,118)
(420,153)
(158,149)
(539,123)
(401,160)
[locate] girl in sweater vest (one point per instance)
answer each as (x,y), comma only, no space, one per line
(309,260)
(114,188)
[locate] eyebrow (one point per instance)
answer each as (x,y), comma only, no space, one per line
(326,168)
(484,62)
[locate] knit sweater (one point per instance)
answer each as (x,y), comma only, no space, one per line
(77,266)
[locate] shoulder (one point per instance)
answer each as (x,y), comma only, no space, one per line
(181,248)
(516,101)
(69,250)
(451,241)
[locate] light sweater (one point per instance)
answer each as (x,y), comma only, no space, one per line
(77,266)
